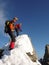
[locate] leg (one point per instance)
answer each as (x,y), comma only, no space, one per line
(12,36)
(12,43)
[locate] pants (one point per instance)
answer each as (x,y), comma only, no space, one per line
(12,43)
(12,35)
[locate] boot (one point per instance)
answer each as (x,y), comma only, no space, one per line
(12,45)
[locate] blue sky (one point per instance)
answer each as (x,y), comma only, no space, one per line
(34,16)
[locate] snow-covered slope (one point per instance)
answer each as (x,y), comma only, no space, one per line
(24,43)
(18,55)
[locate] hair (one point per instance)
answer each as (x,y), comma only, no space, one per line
(15,18)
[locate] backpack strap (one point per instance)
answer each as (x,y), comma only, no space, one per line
(8,23)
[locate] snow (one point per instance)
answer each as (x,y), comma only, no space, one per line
(18,55)
(24,43)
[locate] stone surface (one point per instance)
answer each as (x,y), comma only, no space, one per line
(46,55)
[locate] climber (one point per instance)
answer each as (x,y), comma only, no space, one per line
(10,28)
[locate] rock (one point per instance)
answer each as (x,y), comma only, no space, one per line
(32,57)
(1,53)
(46,55)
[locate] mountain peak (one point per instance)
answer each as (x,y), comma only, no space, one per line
(22,54)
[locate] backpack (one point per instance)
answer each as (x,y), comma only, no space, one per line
(6,29)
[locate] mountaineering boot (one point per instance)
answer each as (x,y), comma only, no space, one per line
(12,45)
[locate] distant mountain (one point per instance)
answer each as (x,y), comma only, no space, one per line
(22,54)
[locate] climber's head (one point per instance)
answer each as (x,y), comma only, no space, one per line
(15,19)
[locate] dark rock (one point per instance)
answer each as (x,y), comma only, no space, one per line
(1,53)
(46,55)
(33,57)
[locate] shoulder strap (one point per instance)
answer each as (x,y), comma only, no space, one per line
(7,22)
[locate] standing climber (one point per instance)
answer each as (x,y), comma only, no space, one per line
(10,28)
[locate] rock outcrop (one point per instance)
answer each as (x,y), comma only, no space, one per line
(46,55)
(45,60)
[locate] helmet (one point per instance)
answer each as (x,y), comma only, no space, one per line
(15,18)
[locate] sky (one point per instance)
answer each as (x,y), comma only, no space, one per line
(34,16)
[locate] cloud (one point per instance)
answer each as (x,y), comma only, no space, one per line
(2,16)
(2,12)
